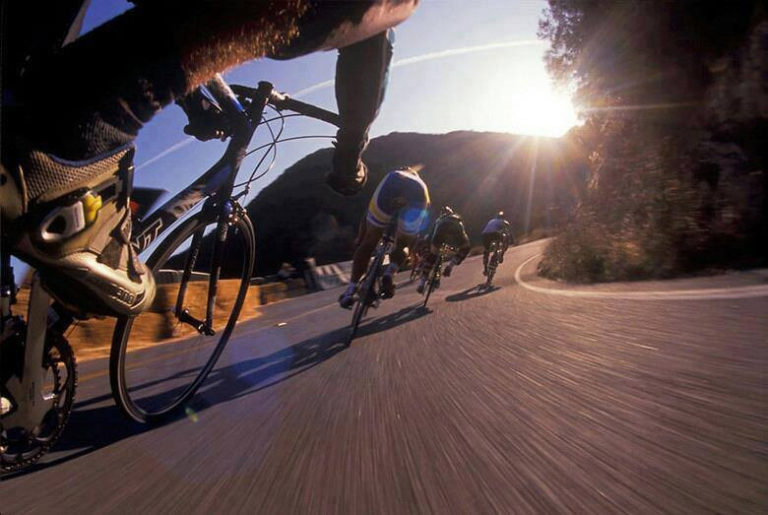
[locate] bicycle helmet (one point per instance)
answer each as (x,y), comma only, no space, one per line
(500,214)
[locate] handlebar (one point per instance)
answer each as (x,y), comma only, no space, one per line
(281,101)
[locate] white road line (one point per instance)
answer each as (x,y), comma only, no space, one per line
(741,292)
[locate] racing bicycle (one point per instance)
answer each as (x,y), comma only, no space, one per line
(494,258)
(433,280)
(201,249)
(369,291)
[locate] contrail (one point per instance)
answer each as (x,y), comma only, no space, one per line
(466,50)
(430,57)
(173,148)
(403,62)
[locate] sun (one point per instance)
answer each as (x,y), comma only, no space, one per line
(542,113)
(528,103)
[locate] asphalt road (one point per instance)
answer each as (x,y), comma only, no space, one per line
(517,400)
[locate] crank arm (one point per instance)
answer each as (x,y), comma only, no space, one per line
(32,405)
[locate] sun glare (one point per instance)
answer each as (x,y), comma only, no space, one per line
(529,104)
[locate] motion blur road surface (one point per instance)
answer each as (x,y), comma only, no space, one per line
(513,400)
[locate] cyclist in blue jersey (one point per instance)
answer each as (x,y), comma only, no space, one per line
(497,229)
(401,193)
(73,106)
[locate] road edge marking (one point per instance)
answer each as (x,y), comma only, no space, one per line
(741,292)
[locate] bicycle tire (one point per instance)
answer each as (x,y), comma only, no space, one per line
(432,275)
(197,225)
(491,271)
(365,294)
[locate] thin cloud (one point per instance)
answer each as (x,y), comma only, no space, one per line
(466,50)
(431,57)
(173,148)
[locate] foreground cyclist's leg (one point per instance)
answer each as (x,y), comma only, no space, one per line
(120,82)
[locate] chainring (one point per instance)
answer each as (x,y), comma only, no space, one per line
(20,448)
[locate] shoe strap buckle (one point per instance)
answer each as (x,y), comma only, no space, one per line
(64,222)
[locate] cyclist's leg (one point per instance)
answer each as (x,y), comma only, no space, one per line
(371,228)
(396,261)
(364,250)
(129,68)
(487,239)
(367,241)
(429,261)
(122,80)
(504,247)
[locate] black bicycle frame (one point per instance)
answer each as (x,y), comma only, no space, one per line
(217,183)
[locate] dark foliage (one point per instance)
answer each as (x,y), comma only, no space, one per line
(676,105)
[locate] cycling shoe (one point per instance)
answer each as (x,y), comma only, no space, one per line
(74,226)
(347,299)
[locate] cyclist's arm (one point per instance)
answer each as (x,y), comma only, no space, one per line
(361,79)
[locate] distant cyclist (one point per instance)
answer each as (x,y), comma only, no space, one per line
(497,229)
(449,229)
(73,106)
(400,191)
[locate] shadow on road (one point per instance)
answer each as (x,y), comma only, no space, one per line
(475,291)
(392,320)
(91,429)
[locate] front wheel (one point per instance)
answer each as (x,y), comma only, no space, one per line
(434,276)
(160,358)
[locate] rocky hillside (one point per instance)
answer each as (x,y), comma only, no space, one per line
(536,181)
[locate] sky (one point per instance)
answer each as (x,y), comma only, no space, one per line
(458,65)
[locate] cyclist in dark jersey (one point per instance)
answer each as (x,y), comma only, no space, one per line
(72,108)
(449,229)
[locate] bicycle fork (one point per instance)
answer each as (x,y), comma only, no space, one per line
(205,327)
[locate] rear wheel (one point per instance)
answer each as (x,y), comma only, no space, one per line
(433,278)
(160,358)
(366,294)
(492,269)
